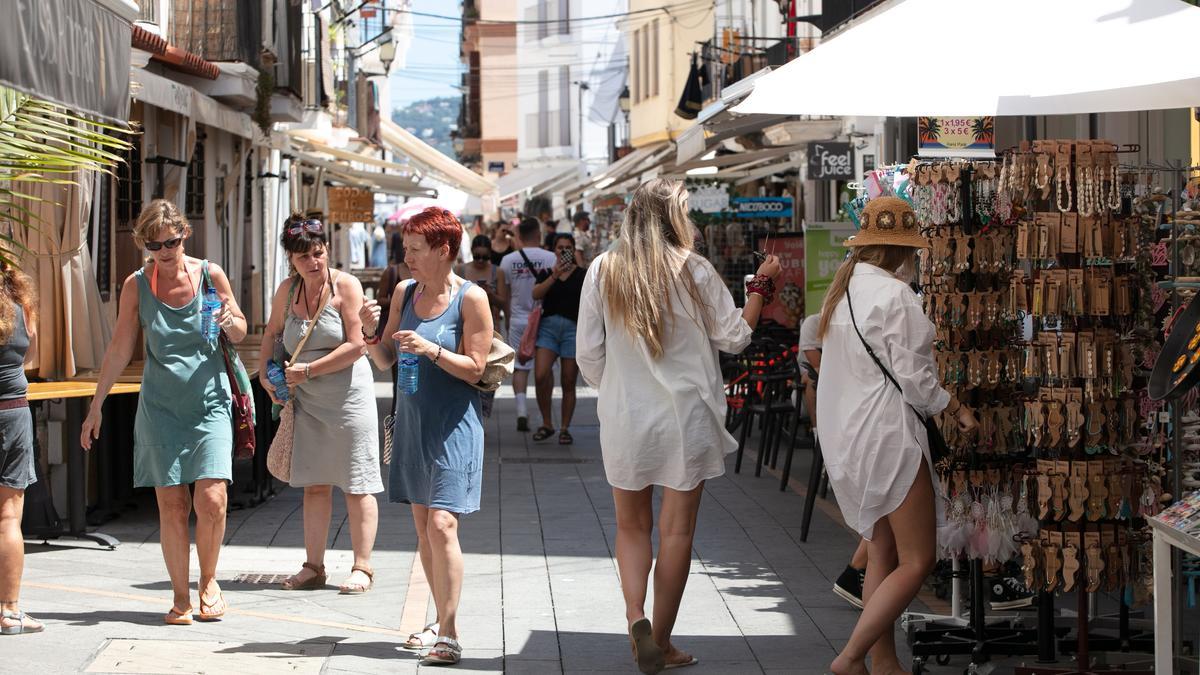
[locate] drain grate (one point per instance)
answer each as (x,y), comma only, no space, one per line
(547,460)
(259,578)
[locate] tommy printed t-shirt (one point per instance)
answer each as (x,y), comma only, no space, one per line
(521,281)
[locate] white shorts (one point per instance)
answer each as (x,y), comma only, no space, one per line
(515,332)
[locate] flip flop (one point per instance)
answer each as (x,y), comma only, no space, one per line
(682,664)
(543,433)
(206,613)
(177,617)
(420,642)
(646,652)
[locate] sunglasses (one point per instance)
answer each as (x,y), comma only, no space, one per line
(158,245)
(481,256)
(299,226)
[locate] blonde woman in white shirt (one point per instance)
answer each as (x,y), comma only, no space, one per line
(875,446)
(652,317)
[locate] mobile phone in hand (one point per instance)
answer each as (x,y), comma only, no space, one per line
(566,257)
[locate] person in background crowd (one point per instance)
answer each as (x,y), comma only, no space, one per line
(482,273)
(379,247)
(559,293)
(437,450)
(18,351)
(502,238)
(874,445)
(519,271)
(652,318)
(183,432)
(396,272)
(336,428)
(585,239)
(549,228)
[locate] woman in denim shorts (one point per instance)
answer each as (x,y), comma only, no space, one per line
(18,348)
(559,294)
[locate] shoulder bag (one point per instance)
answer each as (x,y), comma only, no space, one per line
(242,406)
(937,443)
(279,457)
(528,345)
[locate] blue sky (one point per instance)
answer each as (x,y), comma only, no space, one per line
(432,57)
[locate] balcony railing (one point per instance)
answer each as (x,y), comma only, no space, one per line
(218,30)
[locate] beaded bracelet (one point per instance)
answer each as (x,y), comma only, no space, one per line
(372,339)
(762,285)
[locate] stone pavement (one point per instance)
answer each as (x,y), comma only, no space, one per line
(541,592)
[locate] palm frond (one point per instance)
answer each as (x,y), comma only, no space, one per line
(44,144)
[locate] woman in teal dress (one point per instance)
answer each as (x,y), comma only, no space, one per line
(183,433)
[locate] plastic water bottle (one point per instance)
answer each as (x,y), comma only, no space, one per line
(209,326)
(276,377)
(406,373)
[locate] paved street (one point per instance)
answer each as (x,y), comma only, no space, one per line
(541,592)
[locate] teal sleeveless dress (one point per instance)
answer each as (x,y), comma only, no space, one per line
(437,442)
(183,431)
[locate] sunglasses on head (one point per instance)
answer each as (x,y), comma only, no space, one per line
(299,226)
(158,245)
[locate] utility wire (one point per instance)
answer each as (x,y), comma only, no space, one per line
(664,8)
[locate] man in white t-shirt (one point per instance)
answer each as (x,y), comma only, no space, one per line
(514,284)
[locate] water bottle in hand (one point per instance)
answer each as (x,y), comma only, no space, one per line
(276,377)
(406,373)
(210,327)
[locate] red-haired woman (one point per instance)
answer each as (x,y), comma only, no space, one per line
(437,454)
(18,348)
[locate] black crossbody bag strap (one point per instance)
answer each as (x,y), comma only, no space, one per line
(529,265)
(875,358)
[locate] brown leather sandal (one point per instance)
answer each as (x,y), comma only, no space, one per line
(358,589)
(312,583)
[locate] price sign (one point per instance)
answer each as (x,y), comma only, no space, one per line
(351,205)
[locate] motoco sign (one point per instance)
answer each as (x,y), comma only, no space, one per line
(762,207)
(828,160)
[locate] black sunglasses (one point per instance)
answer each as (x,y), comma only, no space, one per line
(299,226)
(482,256)
(158,245)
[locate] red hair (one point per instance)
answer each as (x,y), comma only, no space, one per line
(438,226)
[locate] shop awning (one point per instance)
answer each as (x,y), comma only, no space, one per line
(163,92)
(71,52)
(717,121)
(1046,58)
(633,164)
(386,183)
(401,142)
(532,180)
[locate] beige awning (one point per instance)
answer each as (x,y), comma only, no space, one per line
(386,183)
(401,142)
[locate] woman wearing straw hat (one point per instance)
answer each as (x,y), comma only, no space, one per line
(875,446)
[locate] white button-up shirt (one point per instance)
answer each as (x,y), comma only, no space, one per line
(871,441)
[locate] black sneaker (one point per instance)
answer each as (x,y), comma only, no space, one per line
(850,586)
(1009,592)
(522,424)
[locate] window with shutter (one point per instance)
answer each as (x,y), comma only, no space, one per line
(564,105)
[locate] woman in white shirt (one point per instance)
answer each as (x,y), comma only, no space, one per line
(652,317)
(875,446)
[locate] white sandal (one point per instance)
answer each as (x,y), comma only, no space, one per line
(419,641)
(450,652)
(22,627)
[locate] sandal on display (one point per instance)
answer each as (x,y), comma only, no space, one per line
(646,651)
(358,589)
(446,650)
(178,617)
(23,624)
(213,611)
(312,583)
(565,438)
(425,638)
(543,433)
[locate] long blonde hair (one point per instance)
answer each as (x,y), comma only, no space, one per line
(890,258)
(642,267)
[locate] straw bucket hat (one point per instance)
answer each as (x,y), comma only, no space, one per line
(888,221)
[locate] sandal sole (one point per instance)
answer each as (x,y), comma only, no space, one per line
(650,658)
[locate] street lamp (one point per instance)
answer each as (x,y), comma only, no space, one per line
(387,53)
(623,101)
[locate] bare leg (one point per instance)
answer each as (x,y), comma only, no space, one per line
(881,561)
(543,384)
(442,530)
(914,545)
(859,560)
(676,529)
(635,520)
(12,554)
(174,508)
(569,375)
(210,505)
(364,521)
(318,509)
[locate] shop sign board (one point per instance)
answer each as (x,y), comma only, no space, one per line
(709,198)
(495,166)
(762,207)
(823,254)
(788,308)
(830,160)
(956,136)
(351,205)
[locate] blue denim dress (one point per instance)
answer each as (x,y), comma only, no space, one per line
(437,443)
